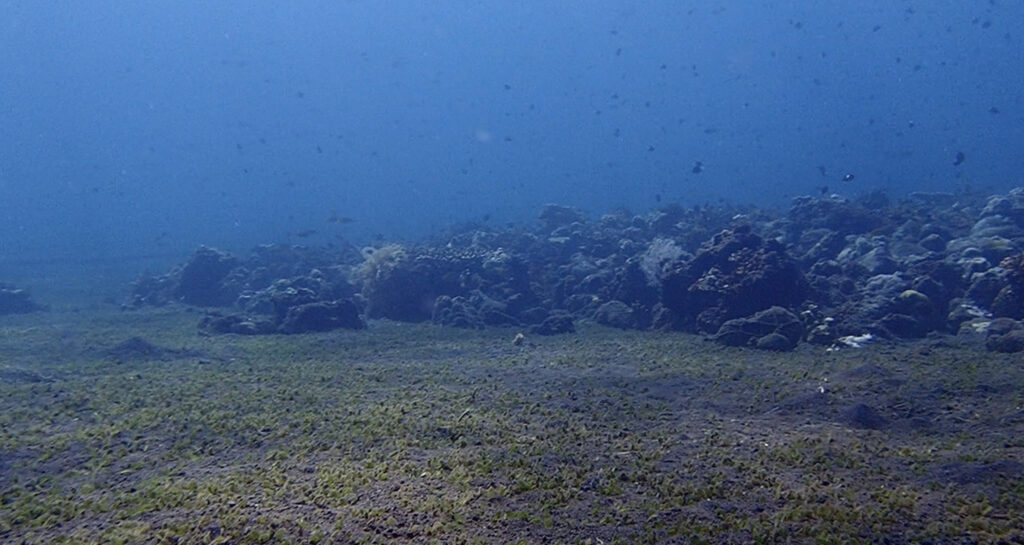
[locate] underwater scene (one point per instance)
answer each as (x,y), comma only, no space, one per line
(479,272)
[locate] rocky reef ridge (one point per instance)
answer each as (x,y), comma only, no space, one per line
(828,268)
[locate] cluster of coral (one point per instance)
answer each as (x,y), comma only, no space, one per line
(828,269)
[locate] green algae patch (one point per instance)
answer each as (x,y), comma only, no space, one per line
(419,434)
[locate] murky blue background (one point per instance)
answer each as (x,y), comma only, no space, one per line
(147,128)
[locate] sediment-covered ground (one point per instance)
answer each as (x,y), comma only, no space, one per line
(129,427)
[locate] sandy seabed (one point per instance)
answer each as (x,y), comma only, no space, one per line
(130,427)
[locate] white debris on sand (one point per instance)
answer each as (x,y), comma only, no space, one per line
(851,341)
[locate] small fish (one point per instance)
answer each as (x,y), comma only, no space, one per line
(959,159)
(305,233)
(698,167)
(821,169)
(824,190)
(848,177)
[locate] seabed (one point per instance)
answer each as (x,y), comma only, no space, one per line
(413,433)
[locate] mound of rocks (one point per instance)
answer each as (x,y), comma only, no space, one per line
(829,268)
(736,273)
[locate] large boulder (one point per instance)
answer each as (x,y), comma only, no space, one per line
(199,282)
(554,216)
(616,314)
(734,274)
(1004,335)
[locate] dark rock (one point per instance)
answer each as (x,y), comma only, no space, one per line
(994,228)
(900,325)
(1009,303)
(760,330)
(862,416)
(826,246)
(984,288)
(873,300)
(199,282)
(940,280)
(555,324)
(554,216)
(533,315)
(492,311)
(15,300)
(581,304)
(322,316)
(962,312)
(285,296)
(933,242)
(616,314)
(155,291)
(456,312)
(1010,205)
(877,261)
(665,319)
(328,284)
(1001,326)
(1004,335)
(828,267)
(734,274)
(637,282)
(835,213)
(1010,342)
(913,303)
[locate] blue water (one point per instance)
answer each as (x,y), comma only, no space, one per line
(147,128)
